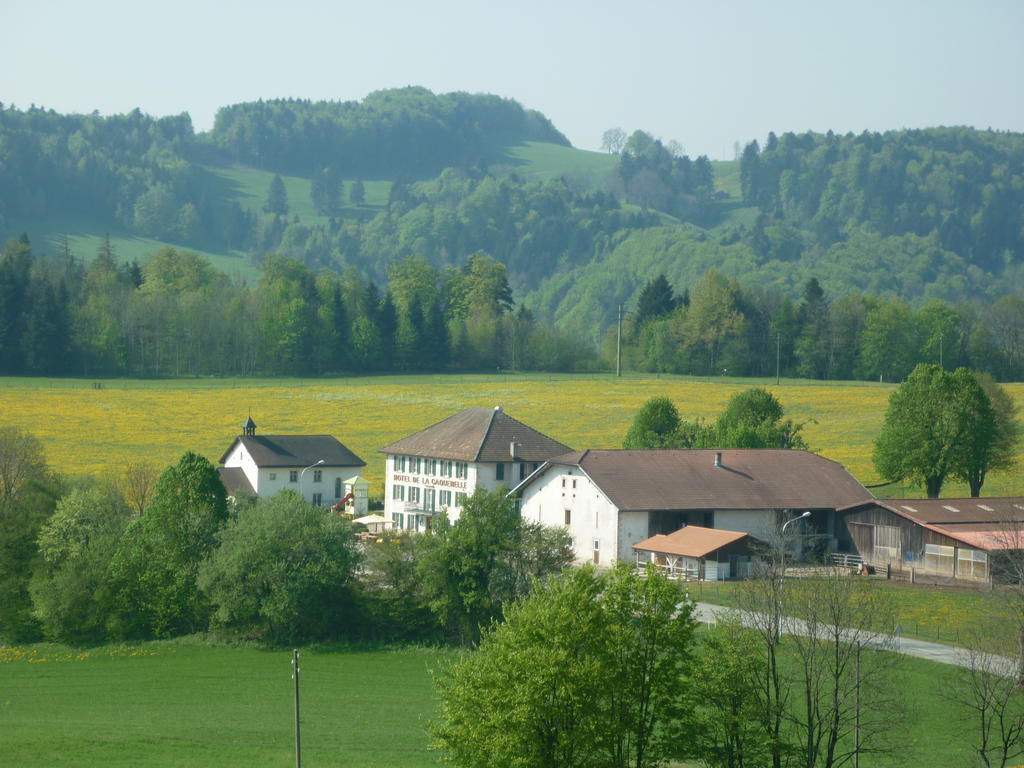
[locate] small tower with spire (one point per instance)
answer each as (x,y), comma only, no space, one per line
(249,428)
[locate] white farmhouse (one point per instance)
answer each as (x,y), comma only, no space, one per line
(318,467)
(435,469)
(611,500)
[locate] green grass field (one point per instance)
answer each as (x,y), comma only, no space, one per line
(952,616)
(176,704)
(173,704)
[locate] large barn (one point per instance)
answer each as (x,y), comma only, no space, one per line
(611,500)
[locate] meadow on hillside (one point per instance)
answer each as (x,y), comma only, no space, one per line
(97,427)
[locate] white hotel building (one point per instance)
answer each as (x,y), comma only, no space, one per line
(435,469)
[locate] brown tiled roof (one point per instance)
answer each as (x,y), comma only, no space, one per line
(689,480)
(234,480)
(295,451)
(691,541)
(478,434)
(986,523)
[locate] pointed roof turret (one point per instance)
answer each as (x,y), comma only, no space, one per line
(249,428)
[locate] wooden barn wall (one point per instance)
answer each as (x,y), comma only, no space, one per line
(912,536)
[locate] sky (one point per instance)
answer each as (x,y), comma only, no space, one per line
(705,74)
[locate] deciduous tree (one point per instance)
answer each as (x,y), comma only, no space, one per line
(283,570)
(70,587)
(154,569)
(937,424)
(587,671)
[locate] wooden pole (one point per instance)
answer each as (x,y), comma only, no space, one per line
(298,737)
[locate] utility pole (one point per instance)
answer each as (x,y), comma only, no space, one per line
(778,347)
(856,730)
(298,739)
(940,350)
(618,347)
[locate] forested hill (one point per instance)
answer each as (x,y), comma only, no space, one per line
(363,186)
(150,177)
(917,214)
(407,132)
(964,186)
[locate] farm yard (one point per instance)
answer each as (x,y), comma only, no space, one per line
(97,427)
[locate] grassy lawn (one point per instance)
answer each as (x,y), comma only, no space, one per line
(88,430)
(175,704)
(940,614)
(180,705)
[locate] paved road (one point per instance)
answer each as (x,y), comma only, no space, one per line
(944,654)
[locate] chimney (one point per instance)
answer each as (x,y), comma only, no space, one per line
(512,449)
(718,458)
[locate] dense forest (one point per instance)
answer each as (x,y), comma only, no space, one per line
(838,229)
(177,316)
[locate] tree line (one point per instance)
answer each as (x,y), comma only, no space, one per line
(176,316)
(718,327)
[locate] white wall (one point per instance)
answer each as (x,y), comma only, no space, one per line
(592,518)
(260,477)
(475,474)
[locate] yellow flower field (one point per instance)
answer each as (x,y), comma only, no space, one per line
(97,427)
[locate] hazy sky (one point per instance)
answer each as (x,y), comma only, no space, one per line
(706,74)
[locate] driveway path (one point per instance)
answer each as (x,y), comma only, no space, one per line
(944,654)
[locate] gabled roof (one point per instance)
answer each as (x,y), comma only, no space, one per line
(691,541)
(635,480)
(295,451)
(234,480)
(985,523)
(480,435)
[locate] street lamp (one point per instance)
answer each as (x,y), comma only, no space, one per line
(777,581)
(782,538)
(317,463)
(800,517)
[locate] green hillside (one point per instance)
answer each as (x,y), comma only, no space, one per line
(248,187)
(541,161)
(86,234)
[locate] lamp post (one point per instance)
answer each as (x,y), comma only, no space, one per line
(782,538)
(799,517)
(317,463)
(777,597)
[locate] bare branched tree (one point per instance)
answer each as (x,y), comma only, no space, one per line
(137,483)
(826,642)
(21,460)
(1006,564)
(613,140)
(840,632)
(989,691)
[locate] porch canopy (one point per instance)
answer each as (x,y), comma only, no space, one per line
(691,541)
